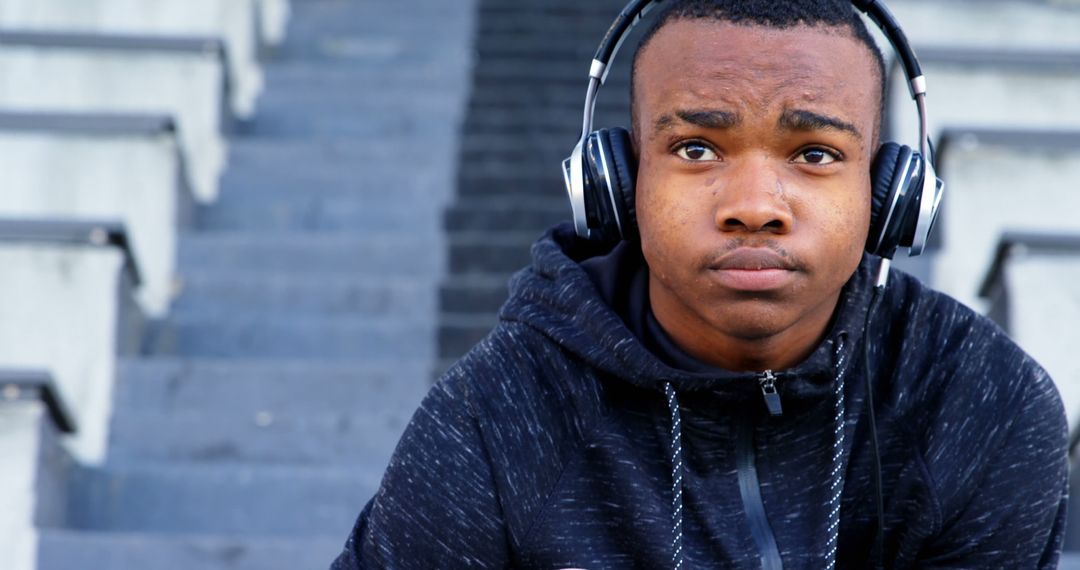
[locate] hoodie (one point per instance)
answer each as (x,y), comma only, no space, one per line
(571,438)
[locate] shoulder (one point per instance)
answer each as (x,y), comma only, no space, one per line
(939,337)
(534,406)
(971,395)
(525,390)
(517,367)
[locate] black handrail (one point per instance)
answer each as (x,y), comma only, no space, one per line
(103,233)
(33,385)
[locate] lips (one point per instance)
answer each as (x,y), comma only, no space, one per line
(753,269)
(752,259)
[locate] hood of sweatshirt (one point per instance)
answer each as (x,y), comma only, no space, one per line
(557,297)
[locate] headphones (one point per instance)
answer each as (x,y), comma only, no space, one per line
(600,172)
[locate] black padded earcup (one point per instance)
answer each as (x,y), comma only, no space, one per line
(889,161)
(624,183)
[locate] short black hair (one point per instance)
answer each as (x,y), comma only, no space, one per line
(777,14)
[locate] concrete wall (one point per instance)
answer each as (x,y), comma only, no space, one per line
(997,24)
(63,319)
(186,86)
(234,21)
(133,179)
(1044,318)
(273,20)
(991,189)
(20,440)
(986,96)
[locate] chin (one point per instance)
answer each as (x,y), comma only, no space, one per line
(753,322)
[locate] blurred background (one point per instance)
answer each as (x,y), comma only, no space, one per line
(239,239)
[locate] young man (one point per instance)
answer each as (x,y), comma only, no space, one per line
(697,399)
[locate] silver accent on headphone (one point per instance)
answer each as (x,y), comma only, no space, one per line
(598,70)
(590,108)
(575,187)
(917,86)
(931,193)
(883,272)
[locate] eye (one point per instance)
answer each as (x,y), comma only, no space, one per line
(695,151)
(817,156)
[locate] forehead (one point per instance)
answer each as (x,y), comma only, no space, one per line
(696,63)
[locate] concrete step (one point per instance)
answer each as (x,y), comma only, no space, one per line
(554,96)
(66,549)
(288,98)
(248,500)
(384,184)
(346,31)
(334,78)
(340,122)
(489,252)
(472,294)
(360,48)
(315,154)
(304,294)
(249,387)
(355,255)
(502,215)
(490,9)
(541,71)
(498,30)
(1069,561)
(481,186)
(260,201)
(276,336)
(514,149)
(506,165)
(364,441)
(541,119)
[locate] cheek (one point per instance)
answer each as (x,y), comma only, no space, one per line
(843,222)
(853,222)
(664,222)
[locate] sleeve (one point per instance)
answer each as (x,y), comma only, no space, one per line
(437,506)
(1015,515)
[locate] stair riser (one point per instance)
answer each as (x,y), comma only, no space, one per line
(299,339)
(213,294)
(251,501)
(358,259)
(58,550)
(362,441)
(313,214)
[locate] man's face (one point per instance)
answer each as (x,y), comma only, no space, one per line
(753,193)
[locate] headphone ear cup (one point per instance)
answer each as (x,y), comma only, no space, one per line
(890,180)
(624,179)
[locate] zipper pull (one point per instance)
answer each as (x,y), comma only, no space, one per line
(772,397)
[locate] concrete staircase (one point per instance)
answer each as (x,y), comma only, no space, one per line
(260,419)
(524,116)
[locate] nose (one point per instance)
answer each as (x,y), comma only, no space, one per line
(754,201)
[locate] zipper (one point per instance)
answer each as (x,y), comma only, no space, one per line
(750,490)
(772,397)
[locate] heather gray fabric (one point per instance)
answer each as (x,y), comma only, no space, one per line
(547,445)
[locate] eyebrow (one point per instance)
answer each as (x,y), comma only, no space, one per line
(801,120)
(709,119)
